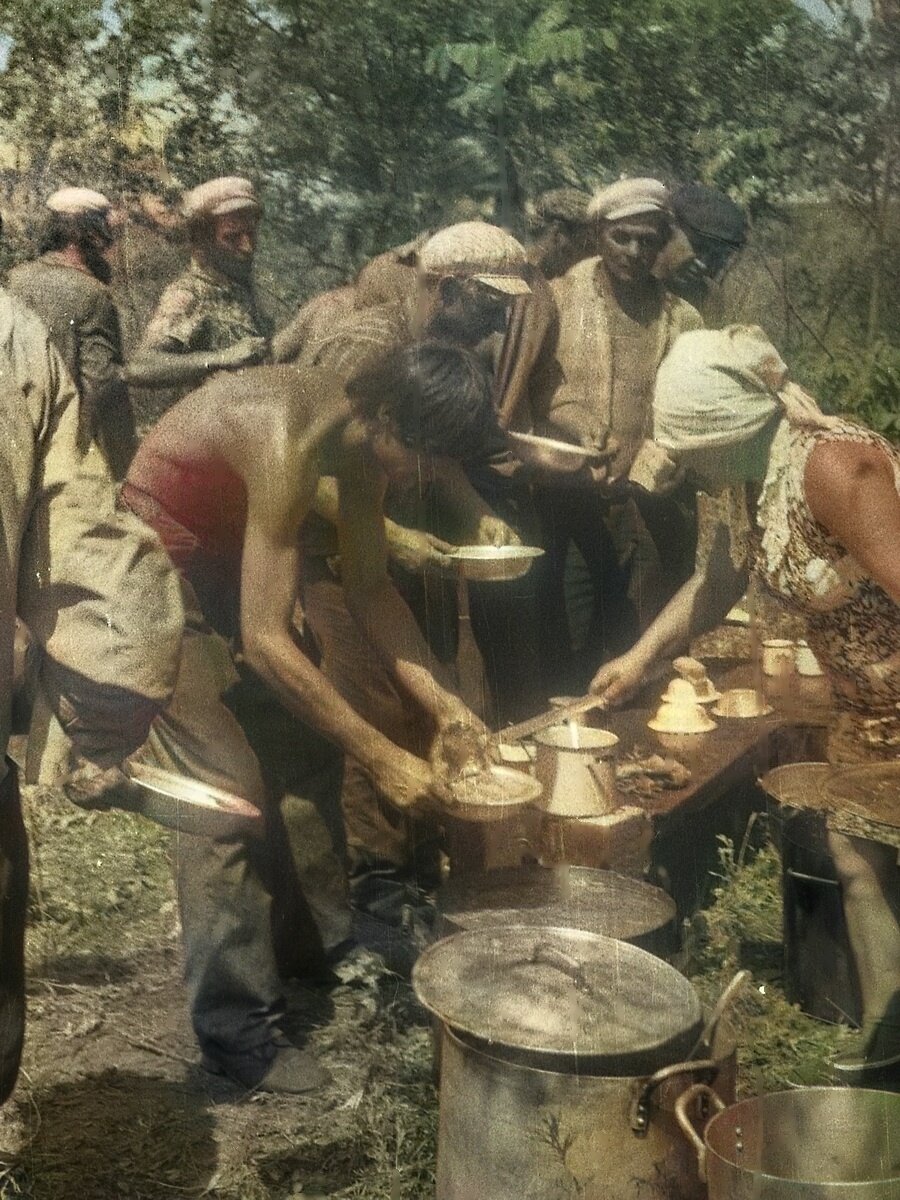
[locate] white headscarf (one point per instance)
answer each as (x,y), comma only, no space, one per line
(718,398)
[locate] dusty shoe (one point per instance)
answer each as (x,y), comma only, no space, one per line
(272,1067)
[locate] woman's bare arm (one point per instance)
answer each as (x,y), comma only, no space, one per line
(852,492)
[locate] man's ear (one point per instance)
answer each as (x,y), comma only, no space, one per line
(450,290)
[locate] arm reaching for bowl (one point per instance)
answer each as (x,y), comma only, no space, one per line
(699,605)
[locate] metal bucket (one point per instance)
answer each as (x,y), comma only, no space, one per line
(809,1144)
(818,963)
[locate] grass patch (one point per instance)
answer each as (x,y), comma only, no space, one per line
(778,1045)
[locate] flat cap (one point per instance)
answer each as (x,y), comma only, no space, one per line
(629,198)
(710,213)
(219,197)
(79,201)
(479,251)
(560,204)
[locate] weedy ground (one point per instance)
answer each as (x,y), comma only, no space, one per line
(112,1105)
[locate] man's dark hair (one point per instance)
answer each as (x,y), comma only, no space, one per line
(65,229)
(437,395)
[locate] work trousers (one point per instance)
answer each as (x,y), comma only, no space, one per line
(240,897)
(593,606)
(377,834)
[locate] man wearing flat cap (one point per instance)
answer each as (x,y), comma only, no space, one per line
(711,232)
(593,385)
(67,286)
(208,319)
(467,276)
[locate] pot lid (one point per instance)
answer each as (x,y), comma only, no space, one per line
(561,996)
(565,896)
(870,791)
(797,785)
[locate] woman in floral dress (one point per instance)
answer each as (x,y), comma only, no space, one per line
(810,506)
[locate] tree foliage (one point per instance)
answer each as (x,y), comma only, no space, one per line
(368,120)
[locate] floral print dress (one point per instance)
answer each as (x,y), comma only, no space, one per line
(853,625)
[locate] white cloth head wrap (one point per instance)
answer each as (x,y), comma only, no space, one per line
(720,387)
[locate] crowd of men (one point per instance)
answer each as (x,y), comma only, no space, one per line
(263,602)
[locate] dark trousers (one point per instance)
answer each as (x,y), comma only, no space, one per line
(13,907)
(240,897)
(598,527)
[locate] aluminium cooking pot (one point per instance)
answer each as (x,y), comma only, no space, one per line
(564,896)
(819,1143)
(562,1055)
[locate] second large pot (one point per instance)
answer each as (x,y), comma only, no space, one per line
(823,1143)
(569,897)
(563,1053)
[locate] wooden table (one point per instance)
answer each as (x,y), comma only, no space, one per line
(725,765)
(719,800)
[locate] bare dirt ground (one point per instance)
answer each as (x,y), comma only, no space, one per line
(112,1103)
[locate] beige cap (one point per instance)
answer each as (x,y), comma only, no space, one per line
(219,197)
(79,201)
(629,198)
(478,251)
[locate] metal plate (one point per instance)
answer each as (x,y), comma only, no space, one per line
(550,453)
(494,794)
(570,897)
(190,806)
(492,563)
(561,999)
(797,785)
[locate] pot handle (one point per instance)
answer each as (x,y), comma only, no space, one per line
(551,957)
(698,1091)
(640,1107)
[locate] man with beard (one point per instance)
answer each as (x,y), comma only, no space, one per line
(67,286)
(208,319)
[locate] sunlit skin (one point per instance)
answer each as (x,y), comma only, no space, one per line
(851,491)
(629,248)
(280,429)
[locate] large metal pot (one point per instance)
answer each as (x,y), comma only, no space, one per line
(810,1144)
(563,1053)
(564,897)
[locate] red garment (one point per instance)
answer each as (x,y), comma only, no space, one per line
(199,510)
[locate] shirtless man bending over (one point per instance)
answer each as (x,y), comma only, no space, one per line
(227,478)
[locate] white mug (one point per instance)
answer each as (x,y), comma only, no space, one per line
(778,656)
(805,661)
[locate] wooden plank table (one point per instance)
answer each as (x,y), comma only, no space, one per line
(725,765)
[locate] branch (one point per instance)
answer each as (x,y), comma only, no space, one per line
(789,304)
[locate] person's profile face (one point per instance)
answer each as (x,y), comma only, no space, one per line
(233,242)
(471,311)
(629,247)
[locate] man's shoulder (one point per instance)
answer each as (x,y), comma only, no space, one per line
(17,319)
(358,336)
(47,272)
(579,281)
